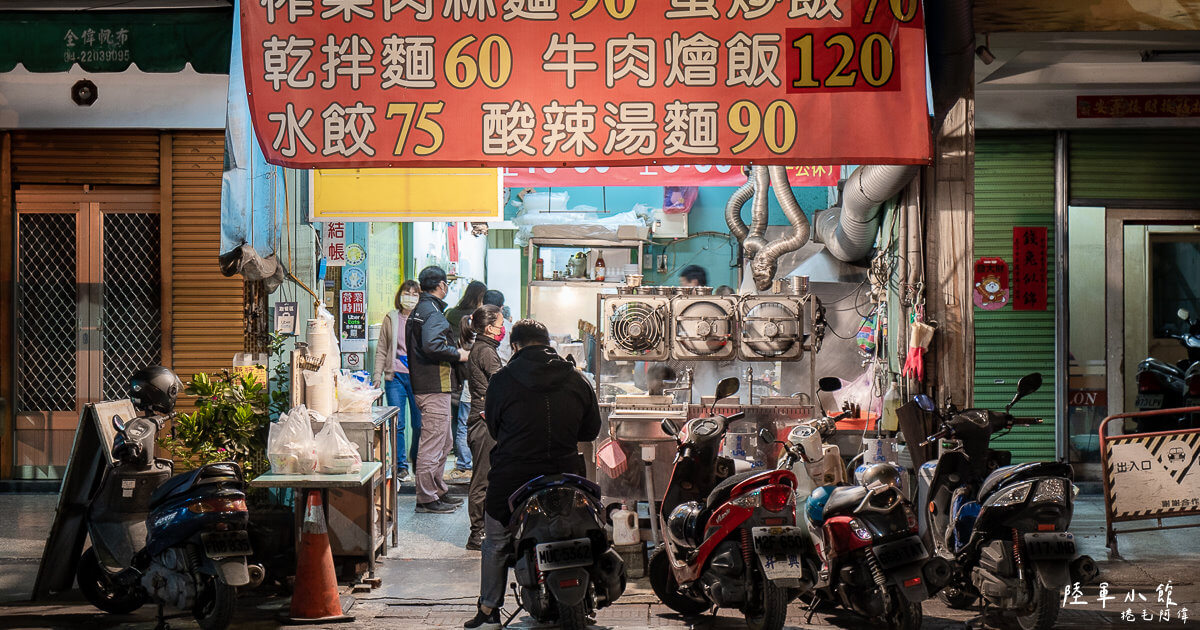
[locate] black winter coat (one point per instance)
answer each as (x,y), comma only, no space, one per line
(483,363)
(432,350)
(537,408)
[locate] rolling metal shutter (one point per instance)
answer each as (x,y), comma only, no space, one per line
(1014,186)
(1134,164)
(85,157)
(206,306)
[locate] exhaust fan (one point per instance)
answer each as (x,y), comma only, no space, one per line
(703,328)
(635,328)
(771,328)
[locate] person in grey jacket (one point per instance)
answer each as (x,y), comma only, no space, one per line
(488,323)
(432,351)
(391,374)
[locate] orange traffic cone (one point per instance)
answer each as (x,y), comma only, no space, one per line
(315,598)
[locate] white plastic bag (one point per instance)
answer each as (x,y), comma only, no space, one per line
(336,454)
(291,448)
(355,396)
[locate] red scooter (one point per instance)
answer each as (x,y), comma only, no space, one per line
(730,541)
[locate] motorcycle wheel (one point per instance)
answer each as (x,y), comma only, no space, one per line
(771,610)
(909,616)
(1042,613)
(572,617)
(97,586)
(214,604)
(667,590)
(956,598)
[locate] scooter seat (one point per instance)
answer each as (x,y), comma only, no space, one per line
(183,483)
(843,500)
(550,481)
(720,494)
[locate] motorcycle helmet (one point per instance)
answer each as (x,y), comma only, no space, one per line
(683,525)
(153,389)
(886,474)
(814,507)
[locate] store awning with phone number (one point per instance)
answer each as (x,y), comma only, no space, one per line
(156,41)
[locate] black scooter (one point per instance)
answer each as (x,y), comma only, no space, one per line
(1003,527)
(563,561)
(179,541)
(1162,385)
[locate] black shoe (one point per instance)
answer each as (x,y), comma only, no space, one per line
(452,500)
(484,622)
(436,507)
(475,541)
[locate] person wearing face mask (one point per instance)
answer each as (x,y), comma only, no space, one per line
(391,371)
(488,324)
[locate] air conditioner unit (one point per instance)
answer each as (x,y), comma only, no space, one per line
(770,328)
(635,327)
(703,328)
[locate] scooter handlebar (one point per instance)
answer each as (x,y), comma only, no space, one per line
(1025,421)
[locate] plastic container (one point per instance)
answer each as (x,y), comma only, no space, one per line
(625,527)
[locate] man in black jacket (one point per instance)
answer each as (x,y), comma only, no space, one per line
(538,408)
(432,350)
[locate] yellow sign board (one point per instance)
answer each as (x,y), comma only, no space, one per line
(407,194)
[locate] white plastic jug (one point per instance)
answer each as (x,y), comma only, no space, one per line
(625,527)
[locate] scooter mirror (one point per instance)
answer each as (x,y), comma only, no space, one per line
(924,402)
(1027,385)
(118,424)
(1184,314)
(727,387)
(669,428)
(829,384)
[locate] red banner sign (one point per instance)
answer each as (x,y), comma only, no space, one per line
(658,176)
(1029,269)
(377,83)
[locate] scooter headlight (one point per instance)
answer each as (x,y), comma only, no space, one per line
(1050,491)
(1013,496)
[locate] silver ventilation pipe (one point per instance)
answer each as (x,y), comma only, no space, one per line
(733,210)
(766,263)
(756,241)
(849,232)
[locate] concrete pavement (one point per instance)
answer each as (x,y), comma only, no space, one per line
(430,581)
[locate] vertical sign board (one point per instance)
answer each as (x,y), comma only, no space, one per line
(353,322)
(1029,269)
(333,243)
(285,317)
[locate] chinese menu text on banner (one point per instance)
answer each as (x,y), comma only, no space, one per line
(519,83)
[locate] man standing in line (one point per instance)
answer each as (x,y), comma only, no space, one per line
(432,350)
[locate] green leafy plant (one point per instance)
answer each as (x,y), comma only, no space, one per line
(231,416)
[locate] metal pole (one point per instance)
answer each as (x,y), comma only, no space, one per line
(1062,428)
(649,462)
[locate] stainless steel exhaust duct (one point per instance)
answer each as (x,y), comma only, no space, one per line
(733,210)
(850,231)
(758,212)
(766,263)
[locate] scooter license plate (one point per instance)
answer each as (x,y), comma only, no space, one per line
(1050,546)
(900,552)
(1149,401)
(779,550)
(223,544)
(564,554)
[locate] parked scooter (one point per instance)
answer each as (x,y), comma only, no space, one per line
(1162,385)
(564,563)
(177,541)
(869,555)
(1004,527)
(730,539)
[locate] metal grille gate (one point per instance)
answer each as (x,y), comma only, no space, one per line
(89,311)
(131,306)
(47,309)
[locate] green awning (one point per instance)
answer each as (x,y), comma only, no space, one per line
(109,41)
